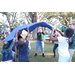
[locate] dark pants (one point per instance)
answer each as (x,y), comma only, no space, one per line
(54,48)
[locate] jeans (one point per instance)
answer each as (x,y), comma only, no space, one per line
(54,48)
(39,44)
(64,58)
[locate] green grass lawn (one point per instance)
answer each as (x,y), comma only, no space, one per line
(48,50)
(48,53)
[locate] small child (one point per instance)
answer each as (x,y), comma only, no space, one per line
(23,47)
(19,36)
(56,34)
(63,44)
(7,52)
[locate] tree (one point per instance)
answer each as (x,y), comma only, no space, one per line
(66,17)
(33,17)
(10,17)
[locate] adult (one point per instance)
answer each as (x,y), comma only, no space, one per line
(40,41)
(72,47)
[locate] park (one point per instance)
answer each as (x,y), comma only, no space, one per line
(33,20)
(39,58)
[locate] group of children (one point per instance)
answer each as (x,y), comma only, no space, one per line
(64,42)
(8,50)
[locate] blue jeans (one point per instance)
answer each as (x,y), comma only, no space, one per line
(39,44)
(64,58)
(54,48)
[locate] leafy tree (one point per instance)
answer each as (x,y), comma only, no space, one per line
(33,17)
(11,16)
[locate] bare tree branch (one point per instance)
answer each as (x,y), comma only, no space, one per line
(41,15)
(8,19)
(13,18)
(30,14)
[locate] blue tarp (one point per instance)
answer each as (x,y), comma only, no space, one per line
(31,26)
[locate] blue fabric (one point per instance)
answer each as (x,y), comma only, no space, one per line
(23,52)
(32,27)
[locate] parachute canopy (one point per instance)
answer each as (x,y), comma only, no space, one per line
(31,26)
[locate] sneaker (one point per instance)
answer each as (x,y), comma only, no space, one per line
(43,55)
(35,54)
(54,56)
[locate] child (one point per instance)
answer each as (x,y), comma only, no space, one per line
(56,34)
(7,52)
(19,36)
(63,44)
(23,47)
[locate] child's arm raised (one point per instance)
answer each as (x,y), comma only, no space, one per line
(2,41)
(28,33)
(37,30)
(60,32)
(42,29)
(51,36)
(16,37)
(10,47)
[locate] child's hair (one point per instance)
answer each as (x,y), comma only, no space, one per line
(21,42)
(69,33)
(6,46)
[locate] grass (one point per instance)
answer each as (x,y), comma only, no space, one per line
(48,53)
(48,50)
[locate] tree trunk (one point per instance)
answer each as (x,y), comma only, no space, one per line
(35,20)
(11,23)
(8,18)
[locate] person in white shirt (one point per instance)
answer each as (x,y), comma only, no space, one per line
(63,44)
